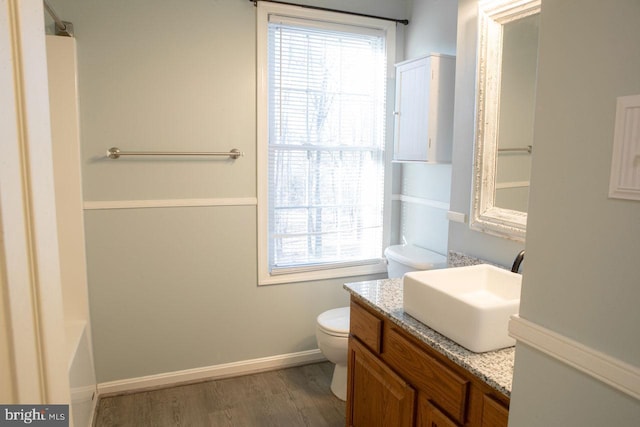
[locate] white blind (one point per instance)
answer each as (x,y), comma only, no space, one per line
(326,95)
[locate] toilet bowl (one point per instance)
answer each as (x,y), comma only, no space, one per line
(332,334)
(332,326)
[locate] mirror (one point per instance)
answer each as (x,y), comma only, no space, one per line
(505,100)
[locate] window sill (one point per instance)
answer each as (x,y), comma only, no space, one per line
(336,273)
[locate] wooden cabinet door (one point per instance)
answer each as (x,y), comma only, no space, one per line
(437,382)
(430,416)
(376,396)
(493,413)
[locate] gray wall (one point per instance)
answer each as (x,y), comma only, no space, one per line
(582,279)
(432,30)
(175,288)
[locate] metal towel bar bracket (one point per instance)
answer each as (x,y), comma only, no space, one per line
(115,153)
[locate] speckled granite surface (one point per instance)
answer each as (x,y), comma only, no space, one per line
(385,296)
(457,259)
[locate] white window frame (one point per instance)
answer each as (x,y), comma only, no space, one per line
(265,9)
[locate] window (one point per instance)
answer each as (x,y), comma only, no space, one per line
(321,143)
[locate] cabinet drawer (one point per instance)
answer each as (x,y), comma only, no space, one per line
(493,413)
(440,384)
(366,327)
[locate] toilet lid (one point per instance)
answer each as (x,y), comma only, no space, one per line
(335,322)
(415,257)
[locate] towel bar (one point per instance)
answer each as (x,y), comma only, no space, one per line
(115,153)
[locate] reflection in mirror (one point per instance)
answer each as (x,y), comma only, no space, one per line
(515,120)
(507,67)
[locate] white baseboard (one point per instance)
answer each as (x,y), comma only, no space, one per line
(225,370)
(614,372)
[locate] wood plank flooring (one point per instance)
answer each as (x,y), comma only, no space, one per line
(290,397)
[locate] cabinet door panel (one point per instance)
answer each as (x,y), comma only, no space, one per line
(424,109)
(412,110)
(493,413)
(441,384)
(377,397)
(430,416)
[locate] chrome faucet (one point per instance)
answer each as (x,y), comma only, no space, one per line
(517,261)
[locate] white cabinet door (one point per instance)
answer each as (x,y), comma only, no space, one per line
(424,109)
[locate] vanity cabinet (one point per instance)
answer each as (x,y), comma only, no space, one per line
(423,128)
(396,380)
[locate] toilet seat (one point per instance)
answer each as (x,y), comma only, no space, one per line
(335,322)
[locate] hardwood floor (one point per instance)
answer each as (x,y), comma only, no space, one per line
(286,398)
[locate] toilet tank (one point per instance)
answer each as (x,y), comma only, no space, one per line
(402,259)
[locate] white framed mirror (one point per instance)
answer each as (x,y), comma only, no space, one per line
(505,99)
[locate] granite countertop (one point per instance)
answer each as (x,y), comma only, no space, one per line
(495,368)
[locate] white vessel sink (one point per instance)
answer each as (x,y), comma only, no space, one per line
(470,305)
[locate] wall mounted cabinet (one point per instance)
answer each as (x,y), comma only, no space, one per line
(423,129)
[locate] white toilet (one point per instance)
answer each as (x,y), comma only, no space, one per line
(332,334)
(402,259)
(332,326)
